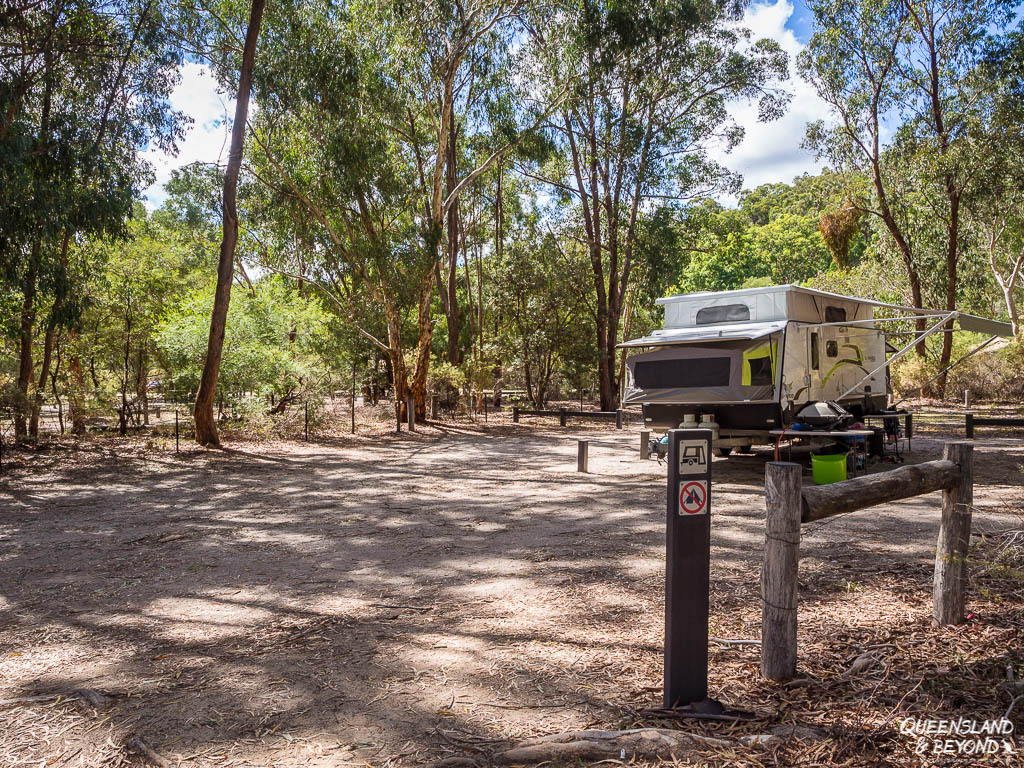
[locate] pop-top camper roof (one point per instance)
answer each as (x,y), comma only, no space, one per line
(752,313)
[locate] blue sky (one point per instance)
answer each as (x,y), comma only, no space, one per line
(769,153)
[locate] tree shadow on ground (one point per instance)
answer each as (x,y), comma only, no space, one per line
(377,599)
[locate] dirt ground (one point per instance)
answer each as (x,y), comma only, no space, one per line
(391,600)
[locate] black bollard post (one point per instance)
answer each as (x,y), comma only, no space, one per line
(515,414)
(177,448)
(352,405)
(306,404)
(618,418)
(969,425)
(561,417)
(687,567)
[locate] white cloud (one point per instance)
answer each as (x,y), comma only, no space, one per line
(207,140)
(770,152)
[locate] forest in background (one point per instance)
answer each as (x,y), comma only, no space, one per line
(453,196)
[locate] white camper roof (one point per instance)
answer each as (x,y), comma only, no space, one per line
(967,322)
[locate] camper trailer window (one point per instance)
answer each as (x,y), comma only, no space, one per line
(832,348)
(760,371)
(682,373)
(815,352)
(835,315)
(727,313)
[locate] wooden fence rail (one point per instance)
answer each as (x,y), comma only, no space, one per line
(564,413)
(971,421)
(789,505)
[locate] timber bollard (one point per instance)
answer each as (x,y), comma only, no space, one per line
(352,405)
(954,538)
(561,417)
(177,448)
(908,428)
(783,485)
(969,425)
(618,418)
(434,406)
(515,414)
(582,451)
(967,399)
(410,413)
(306,405)
(645,444)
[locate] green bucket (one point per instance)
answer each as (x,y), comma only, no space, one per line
(829,468)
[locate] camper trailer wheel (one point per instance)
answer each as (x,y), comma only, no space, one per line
(723,452)
(745,448)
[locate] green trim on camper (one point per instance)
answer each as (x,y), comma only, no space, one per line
(758,353)
(857,361)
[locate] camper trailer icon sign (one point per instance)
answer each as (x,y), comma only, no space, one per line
(693,457)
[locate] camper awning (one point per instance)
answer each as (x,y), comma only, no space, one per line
(673,336)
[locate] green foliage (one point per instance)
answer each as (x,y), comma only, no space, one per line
(771,238)
(272,344)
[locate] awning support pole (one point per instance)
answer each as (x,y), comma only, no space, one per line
(945,319)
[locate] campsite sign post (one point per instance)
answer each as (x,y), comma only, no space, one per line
(687,566)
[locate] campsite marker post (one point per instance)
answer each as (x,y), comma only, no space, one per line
(687,566)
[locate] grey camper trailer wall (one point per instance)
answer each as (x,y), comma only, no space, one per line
(728,372)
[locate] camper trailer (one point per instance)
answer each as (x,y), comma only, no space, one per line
(744,362)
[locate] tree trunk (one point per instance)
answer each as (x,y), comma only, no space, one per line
(44,371)
(76,396)
(28,317)
(206,425)
(452,304)
(626,323)
(418,388)
(141,376)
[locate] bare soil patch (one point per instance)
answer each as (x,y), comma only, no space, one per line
(394,599)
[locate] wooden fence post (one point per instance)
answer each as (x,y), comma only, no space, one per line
(645,444)
(969,425)
(434,406)
(561,417)
(782,484)
(410,413)
(582,451)
(618,418)
(954,539)
(515,414)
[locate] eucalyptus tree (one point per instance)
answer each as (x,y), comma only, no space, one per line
(996,212)
(205,423)
(360,105)
(651,86)
(85,86)
(910,70)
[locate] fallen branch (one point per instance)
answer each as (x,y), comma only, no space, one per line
(97,699)
(135,744)
(636,743)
